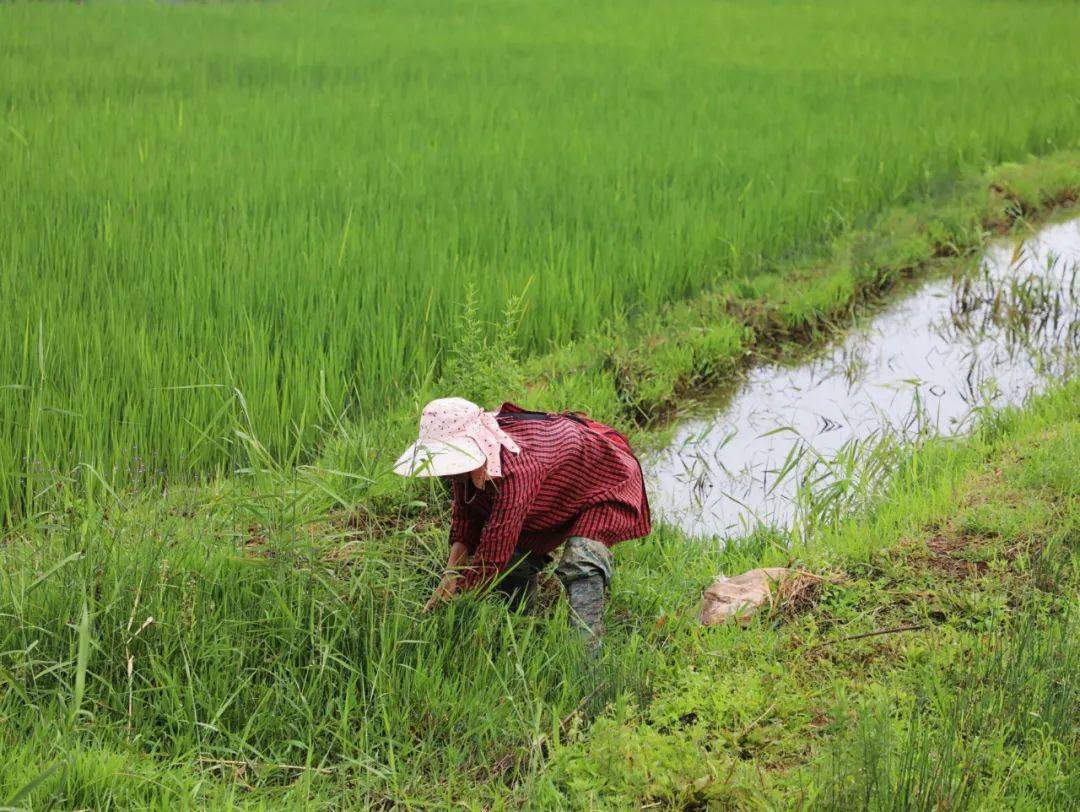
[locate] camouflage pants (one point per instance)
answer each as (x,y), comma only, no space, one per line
(585,570)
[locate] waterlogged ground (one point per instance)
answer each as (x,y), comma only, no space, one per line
(796,435)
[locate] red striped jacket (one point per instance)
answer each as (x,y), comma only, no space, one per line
(573,477)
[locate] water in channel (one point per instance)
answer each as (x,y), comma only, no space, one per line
(924,364)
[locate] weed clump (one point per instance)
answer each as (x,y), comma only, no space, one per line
(483,363)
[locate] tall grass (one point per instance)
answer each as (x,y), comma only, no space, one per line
(1008,710)
(288,200)
(271,661)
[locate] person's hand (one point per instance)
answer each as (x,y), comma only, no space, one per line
(459,554)
(443,592)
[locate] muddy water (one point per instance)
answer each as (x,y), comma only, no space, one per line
(921,365)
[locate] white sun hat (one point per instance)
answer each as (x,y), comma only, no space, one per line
(456,436)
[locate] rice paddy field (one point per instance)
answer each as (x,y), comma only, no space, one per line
(265,212)
(240,243)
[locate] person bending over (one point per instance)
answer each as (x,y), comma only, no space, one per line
(524,484)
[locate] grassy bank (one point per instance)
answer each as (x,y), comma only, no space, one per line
(207,649)
(267,214)
(935,666)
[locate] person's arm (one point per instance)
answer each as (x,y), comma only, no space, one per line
(464,525)
(459,554)
(464,536)
(502,530)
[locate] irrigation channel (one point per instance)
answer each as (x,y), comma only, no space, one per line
(819,431)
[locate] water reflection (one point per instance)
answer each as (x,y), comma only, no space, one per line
(921,365)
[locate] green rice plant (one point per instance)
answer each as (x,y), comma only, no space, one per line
(287,201)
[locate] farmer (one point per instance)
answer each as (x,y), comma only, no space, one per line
(525,483)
